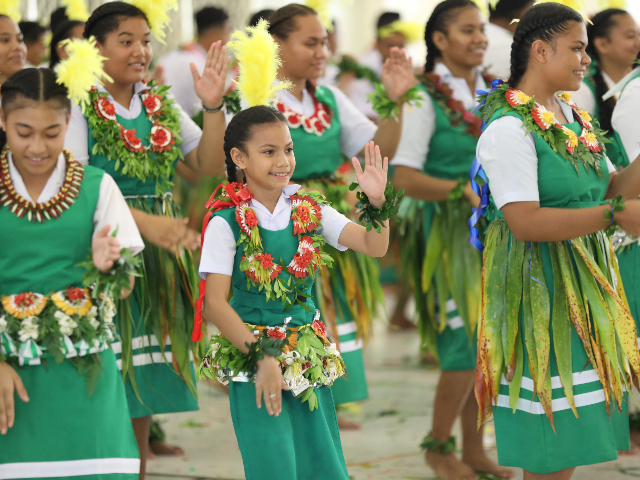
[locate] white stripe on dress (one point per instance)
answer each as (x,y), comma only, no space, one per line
(350,346)
(557,405)
(70,468)
(347,328)
(579,378)
(146,358)
(455,323)
(139,342)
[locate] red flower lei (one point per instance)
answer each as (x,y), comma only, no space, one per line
(40,212)
(316,123)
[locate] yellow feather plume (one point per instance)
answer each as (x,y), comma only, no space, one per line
(482,6)
(412,32)
(579,6)
(258,62)
(606,4)
(75,9)
(323,9)
(11,8)
(157,12)
(82,70)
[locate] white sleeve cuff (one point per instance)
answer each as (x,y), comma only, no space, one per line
(513,197)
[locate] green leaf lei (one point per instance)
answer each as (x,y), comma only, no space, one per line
(441,446)
(615,205)
(348,64)
(387,108)
(136,164)
(586,150)
(375,217)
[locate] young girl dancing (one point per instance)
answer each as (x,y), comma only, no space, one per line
(70,415)
(556,342)
(263,239)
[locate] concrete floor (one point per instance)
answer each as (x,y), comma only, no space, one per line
(394,419)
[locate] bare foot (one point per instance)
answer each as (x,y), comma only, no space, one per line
(448,467)
(483,464)
(400,322)
(161,448)
(344,424)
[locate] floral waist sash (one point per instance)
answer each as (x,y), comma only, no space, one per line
(64,324)
(308,359)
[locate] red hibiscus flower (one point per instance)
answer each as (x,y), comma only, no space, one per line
(75,294)
(276,333)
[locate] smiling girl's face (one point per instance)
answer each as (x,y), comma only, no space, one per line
(267,158)
(13,51)
(128,51)
(35,134)
(566,59)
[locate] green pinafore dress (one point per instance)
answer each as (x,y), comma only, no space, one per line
(161,352)
(299,444)
(63,431)
(525,437)
(448,270)
(349,291)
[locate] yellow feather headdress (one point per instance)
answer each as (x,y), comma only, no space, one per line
(157,14)
(323,9)
(11,8)
(258,61)
(411,31)
(579,6)
(606,4)
(75,9)
(82,70)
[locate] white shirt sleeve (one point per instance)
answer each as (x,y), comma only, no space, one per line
(77,137)
(418,126)
(331,226)
(360,89)
(585,99)
(508,157)
(112,210)
(625,119)
(218,248)
(356,128)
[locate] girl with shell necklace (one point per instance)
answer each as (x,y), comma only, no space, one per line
(137,133)
(326,127)
(556,341)
(432,164)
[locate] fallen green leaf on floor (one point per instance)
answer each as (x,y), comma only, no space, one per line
(630,471)
(386,413)
(192,424)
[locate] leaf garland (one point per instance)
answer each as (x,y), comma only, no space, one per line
(375,217)
(387,108)
(587,149)
(348,64)
(141,164)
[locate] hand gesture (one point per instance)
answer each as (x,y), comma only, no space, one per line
(170,233)
(269,384)
(210,86)
(10,381)
(397,74)
(373,180)
(105,249)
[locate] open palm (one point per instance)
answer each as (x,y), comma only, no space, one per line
(210,85)
(373,180)
(397,74)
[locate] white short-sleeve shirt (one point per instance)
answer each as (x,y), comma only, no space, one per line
(497,58)
(625,120)
(219,245)
(419,123)
(77,138)
(509,159)
(111,209)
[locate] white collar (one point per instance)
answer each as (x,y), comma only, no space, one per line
(283,201)
(51,188)
(137,88)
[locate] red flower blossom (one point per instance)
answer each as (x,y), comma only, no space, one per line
(293,119)
(161,137)
(24,299)
(152,103)
(75,294)
(319,328)
(266,260)
(303,213)
(250,218)
(280,107)
(276,333)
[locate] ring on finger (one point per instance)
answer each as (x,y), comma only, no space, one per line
(273,395)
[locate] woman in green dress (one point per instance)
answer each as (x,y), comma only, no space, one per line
(136,132)
(69,416)
(327,128)
(432,164)
(614,44)
(556,341)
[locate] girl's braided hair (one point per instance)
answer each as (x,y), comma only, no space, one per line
(601,27)
(438,22)
(545,21)
(106,19)
(240,130)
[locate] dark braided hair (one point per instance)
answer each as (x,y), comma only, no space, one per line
(546,22)
(240,130)
(107,17)
(601,27)
(62,32)
(439,22)
(32,84)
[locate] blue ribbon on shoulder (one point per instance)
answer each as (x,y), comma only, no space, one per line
(476,170)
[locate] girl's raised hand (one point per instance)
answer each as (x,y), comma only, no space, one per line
(373,180)
(210,86)
(397,74)
(105,249)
